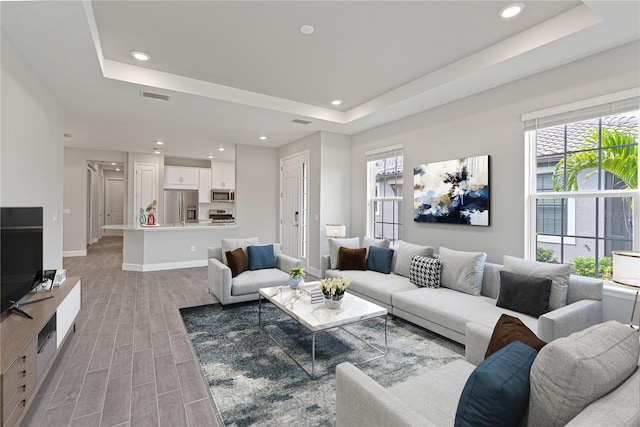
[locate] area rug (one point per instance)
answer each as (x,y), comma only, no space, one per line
(255,382)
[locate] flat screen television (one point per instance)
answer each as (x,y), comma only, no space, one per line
(20,252)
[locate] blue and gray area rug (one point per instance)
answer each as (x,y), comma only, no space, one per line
(255,382)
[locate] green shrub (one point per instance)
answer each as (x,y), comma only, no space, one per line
(545,255)
(586,266)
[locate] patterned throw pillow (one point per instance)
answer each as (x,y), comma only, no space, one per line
(425,271)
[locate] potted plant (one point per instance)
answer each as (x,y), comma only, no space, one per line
(296,275)
(333,289)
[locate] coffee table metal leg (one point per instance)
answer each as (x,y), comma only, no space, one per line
(313,353)
(259,310)
(385,334)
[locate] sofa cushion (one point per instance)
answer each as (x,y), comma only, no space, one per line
(352,259)
(558,273)
(425,271)
(231,244)
(525,294)
(453,310)
(461,270)
(367,242)
(376,286)
(261,257)
(251,281)
(510,329)
(238,261)
(403,255)
(497,391)
(379,259)
(570,373)
(334,247)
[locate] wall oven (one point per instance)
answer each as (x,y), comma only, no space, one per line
(228,196)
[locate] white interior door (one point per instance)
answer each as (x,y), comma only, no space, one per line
(145,189)
(294,206)
(114,204)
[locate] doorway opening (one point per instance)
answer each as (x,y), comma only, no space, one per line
(294,205)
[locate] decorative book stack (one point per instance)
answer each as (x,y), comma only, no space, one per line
(311,293)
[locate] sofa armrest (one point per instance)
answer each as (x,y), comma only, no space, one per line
(476,339)
(286,262)
(569,319)
(219,280)
(325,264)
(360,401)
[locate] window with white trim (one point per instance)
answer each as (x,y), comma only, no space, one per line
(582,183)
(384,190)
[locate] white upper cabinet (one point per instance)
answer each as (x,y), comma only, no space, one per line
(204,187)
(223,175)
(182,178)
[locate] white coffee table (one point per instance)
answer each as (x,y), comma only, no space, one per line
(318,318)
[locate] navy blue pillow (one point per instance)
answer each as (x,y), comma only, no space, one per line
(497,391)
(261,257)
(379,259)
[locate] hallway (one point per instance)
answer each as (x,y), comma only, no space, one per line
(130,362)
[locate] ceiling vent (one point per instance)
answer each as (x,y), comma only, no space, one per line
(301,122)
(160,96)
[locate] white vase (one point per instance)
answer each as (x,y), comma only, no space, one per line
(333,302)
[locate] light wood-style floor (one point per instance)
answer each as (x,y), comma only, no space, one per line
(130,362)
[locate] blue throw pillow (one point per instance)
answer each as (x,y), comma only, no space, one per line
(261,257)
(379,259)
(497,391)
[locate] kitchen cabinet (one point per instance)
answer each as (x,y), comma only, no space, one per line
(223,175)
(180,178)
(204,185)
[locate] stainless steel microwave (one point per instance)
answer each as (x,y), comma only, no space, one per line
(220,195)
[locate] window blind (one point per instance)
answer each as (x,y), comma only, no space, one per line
(583,110)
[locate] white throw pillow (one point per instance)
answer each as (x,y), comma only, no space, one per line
(370,241)
(232,244)
(462,271)
(402,257)
(558,273)
(334,247)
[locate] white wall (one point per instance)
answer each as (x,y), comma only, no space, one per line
(257,192)
(487,123)
(75,195)
(31,147)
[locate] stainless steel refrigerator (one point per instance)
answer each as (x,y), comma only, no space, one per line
(180,206)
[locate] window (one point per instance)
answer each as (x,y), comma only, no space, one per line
(583,185)
(384,189)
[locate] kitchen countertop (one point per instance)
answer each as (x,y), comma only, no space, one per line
(168,227)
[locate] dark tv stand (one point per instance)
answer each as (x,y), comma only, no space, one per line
(15,307)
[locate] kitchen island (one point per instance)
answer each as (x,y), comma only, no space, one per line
(168,247)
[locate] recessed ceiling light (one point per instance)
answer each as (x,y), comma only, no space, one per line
(336,102)
(263,137)
(210,156)
(117,169)
(307,29)
(159,142)
(511,10)
(113,164)
(221,149)
(140,56)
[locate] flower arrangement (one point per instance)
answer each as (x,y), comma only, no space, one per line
(152,207)
(296,272)
(334,287)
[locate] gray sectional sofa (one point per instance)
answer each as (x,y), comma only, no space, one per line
(590,378)
(446,311)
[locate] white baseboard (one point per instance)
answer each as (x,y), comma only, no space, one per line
(313,271)
(74,253)
(163,266)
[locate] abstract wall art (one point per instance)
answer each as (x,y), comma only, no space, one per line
(452,192)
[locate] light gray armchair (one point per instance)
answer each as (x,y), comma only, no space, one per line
(245,286)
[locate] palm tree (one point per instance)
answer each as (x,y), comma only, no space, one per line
(619,157)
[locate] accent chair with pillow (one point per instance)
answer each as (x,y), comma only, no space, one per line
(590,378)
(240,267)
